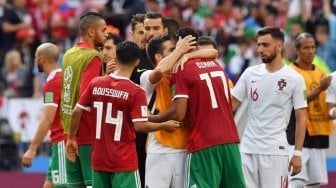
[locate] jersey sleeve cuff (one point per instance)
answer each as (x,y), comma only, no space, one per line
(139,119)
(51,104)
(83,107)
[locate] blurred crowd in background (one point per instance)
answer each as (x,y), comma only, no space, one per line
(231,23)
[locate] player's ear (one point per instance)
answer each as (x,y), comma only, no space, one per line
(158,57)
(137,62)
(91,32)
(280,46)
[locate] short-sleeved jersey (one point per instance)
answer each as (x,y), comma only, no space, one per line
(331,91)
(271,97)
(209,111)
(52,97)
(115,103)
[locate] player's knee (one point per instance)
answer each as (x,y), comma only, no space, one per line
(48,184)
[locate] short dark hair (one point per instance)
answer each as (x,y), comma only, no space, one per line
(185,31)
(155,46)
(137,18)
(172,24)
(127,52)
(300,37)
(205,40)
(275,32)
(153,15)
(116,38)
(88,20)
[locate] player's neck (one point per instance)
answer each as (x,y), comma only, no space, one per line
(304,66)
(49,69)
(275,65)
(123,72)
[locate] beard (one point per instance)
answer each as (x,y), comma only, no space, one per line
(270,58)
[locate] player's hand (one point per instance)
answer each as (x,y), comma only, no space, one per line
(186,44)
(28,157)
(111,66)
(171,125)
(295,165)
(325,83)
(180,63)
(71,149)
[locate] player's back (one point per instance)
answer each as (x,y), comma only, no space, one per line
(112,102)
(209,113)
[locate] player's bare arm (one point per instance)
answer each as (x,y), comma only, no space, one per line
(42,131)
(324,84)
(147,126)
(183,46)
(235,103)
(177,111)
(295,164)
(71,146)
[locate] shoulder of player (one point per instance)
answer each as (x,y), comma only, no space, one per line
(54,77)
(292,73)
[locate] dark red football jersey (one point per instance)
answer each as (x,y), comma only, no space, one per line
(209,112)
(115,103)
(52,97)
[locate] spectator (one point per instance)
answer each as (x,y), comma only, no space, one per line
(325,45)
(14,19)
(14,73)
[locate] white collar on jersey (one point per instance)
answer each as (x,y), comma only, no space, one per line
(52,74)
(118,77)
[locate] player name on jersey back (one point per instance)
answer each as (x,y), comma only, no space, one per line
(206,64)
(110,92)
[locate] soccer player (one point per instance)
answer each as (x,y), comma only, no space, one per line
(46,57)
(138,31)
(201,96)
(153,26)
(166,151)
(319,125)
(120,107)
(109,52)
(80,65)
(272,90)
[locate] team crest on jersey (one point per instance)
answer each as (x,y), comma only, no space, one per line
(282,84)
(113,84)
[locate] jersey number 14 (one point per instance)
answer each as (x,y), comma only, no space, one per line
(108,120)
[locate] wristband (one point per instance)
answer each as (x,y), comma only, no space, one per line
(331,113)
(297,153)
